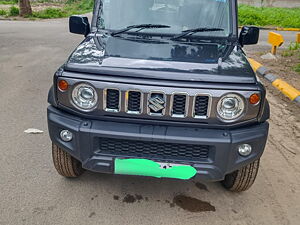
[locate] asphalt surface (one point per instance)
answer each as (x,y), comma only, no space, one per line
(31,192)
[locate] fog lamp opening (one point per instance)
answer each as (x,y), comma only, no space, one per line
(66,135)
(245,149)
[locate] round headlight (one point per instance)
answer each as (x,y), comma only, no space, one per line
(84,97)
(230,107)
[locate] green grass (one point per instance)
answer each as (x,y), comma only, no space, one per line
(294,46)
(71,7)
(293,49)
(266,16)
(8,2)
(49,13)
(297,68)
(3,12)
(13,11)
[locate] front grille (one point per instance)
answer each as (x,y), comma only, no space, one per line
(201,106)
(112,100)
(119,147)
(156,103)
(179,105)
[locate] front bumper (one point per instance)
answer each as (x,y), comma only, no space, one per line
(221,159)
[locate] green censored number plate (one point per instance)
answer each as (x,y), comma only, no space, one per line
(145,167)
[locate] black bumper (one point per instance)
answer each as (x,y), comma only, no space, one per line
(216,157)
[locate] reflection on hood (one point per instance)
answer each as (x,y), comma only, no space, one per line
(161,50)
(159,55)
(87,52)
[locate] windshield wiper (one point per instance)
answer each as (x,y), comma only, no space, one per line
(196,30)
(140,27)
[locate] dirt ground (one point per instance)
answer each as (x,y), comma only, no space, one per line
(284,136)
(283,67)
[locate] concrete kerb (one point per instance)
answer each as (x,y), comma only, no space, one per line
(278,29)
(285,88)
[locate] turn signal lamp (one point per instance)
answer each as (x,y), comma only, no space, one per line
(254,99)
(63,85)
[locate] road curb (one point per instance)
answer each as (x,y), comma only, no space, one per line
(285,88)
(278,28)
(287,29)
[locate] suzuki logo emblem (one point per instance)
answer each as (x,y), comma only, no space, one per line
(156,103)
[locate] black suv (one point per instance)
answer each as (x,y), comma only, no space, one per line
(160,88)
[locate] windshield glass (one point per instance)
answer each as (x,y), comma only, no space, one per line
(180,15)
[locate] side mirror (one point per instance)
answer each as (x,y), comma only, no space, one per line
(249,35)
(79,25)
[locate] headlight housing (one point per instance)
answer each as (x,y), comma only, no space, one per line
(230,107)
(84,97)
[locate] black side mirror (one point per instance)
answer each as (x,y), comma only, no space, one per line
(249,35)
(79,25)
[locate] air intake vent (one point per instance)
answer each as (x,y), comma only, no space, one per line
(112,100)
(179,105)
(134,102)
(201,106)
(148,149)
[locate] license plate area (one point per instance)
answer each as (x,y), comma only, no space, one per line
(146,167)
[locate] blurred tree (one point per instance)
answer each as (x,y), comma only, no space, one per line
(25,7)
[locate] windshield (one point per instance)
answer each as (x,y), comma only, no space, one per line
(180,15)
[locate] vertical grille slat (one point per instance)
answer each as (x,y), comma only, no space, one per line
(179,105)
(134,102)
(113,100)
(201,106)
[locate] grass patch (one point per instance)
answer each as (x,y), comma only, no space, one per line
(3,12)
(293,52)
(267,16)
(297,68)
(9,2)
(293,49)
(48,13)
(13,11)
(294,46)
(70,8)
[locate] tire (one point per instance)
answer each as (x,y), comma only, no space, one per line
(65,164)
(243,179)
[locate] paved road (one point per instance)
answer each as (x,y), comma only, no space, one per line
(31,192)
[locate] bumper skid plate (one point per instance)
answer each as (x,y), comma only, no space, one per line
(145,167)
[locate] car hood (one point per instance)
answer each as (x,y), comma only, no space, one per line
(160,59)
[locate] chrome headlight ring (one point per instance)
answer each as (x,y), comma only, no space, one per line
(230,107)
(84,97)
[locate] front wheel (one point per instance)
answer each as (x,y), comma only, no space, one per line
(242,179)
(64,163)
